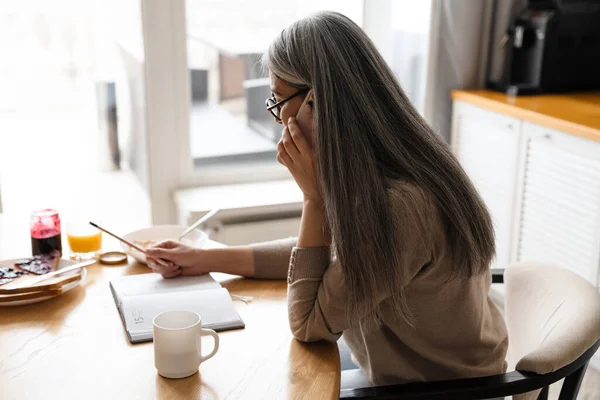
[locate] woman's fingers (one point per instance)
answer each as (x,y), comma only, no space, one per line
(297,137)
(153,263)
(155,252)
(289,145)
(280,160)
(171,274)
(169,271)
(167,251)
(282,155)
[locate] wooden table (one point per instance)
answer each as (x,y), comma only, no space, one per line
(74,347)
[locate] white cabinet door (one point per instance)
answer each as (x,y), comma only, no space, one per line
(559,207)
(487,146)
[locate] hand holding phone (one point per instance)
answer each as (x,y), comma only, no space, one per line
(304,118)
(295,150)
(133,246)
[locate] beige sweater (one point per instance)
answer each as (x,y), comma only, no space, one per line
(458,331)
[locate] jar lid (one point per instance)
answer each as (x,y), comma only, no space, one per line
(44,212)
(112,258)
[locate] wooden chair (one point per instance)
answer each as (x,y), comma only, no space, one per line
(553,320)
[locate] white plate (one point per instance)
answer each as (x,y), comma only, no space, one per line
(62,264)
(196,238)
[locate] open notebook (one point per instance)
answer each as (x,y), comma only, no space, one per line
(140,298)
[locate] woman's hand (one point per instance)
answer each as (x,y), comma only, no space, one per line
(176,254)
(294,152)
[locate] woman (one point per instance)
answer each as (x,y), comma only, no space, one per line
(395,243)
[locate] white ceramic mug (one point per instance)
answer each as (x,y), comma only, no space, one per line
(178,345)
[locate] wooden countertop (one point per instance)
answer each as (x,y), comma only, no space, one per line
(574,113)
(74,346)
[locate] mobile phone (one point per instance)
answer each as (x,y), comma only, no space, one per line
(304,118)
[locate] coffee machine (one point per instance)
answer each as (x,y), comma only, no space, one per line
(552,46)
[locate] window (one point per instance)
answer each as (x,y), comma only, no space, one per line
(205,118)
(225,41)
(58,71)
(401,31)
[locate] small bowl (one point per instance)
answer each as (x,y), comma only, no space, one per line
(158,233)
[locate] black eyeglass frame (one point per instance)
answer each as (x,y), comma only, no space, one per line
(280,103)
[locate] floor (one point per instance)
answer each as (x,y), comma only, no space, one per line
(590,389)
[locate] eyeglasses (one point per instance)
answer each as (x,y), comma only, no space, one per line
(274,107)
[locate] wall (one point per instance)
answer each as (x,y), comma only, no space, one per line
(458,45)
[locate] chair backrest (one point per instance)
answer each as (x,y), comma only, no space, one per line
(552,315)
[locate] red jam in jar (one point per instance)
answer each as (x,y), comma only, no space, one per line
(45,232)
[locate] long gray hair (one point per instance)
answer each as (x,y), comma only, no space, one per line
(368,134)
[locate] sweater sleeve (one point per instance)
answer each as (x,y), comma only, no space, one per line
(272,259)
(317,294)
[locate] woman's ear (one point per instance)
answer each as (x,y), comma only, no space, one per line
(310,99)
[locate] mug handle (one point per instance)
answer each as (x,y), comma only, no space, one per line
(207,332)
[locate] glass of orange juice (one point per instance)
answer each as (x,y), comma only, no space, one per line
(85,241)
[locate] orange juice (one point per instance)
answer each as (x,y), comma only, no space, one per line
(85,243)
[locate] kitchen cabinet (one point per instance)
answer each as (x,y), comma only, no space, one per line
(535,160)
(541,185)
(558,208)
(487,146)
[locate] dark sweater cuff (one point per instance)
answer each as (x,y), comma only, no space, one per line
(271,259)
(308,263)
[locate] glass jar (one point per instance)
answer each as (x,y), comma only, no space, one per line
(45,232)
